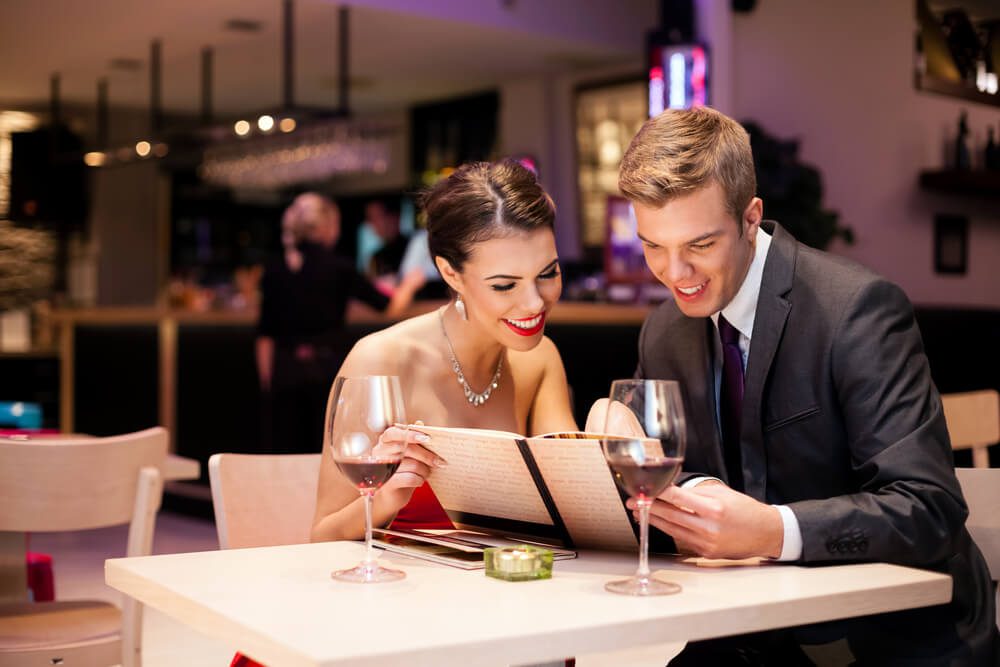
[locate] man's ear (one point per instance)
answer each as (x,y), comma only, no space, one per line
(752,215)
(451,276)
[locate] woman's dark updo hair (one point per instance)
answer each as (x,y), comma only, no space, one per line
(480,201)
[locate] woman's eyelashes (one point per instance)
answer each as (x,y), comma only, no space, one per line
(506,287)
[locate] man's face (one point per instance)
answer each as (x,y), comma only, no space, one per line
(383,223)
(694,247)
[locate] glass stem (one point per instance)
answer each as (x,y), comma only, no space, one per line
(643,571)
(369,552)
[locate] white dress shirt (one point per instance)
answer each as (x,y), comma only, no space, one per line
(740,312)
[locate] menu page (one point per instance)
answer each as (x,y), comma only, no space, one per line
(584,491)
(485,475)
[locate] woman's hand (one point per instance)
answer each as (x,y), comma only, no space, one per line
(418,461)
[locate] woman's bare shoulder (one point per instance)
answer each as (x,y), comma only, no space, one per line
(390,350)
(538,358)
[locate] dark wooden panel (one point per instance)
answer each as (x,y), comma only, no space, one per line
(115,379)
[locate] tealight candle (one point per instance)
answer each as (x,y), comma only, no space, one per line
(521,563)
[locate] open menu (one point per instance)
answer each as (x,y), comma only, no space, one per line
(457,548)
(554,488)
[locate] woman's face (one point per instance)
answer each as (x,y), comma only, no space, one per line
(510,283)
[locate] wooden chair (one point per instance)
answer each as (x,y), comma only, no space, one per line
(263,499)
(78,484)
(981,489)
(973,419)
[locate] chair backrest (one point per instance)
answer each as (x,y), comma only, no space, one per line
(65,484)
(973,419)
(981,488)
(263,499)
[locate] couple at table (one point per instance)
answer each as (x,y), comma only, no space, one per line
(815,432)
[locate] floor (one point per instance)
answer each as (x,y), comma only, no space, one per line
(78,560)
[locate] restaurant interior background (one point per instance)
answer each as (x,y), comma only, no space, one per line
(112,250)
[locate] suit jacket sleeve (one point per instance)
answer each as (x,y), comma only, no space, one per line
(909,507)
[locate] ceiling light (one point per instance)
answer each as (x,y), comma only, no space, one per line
(242,128)
(287,124)
(94,158)
(142,148)
(265,123)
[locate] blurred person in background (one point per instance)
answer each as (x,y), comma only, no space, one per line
(304,296)
(383,217)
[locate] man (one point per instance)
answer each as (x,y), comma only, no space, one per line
(383,217)
(304,298)
(815,432)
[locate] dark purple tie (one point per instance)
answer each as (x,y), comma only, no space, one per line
(731,401)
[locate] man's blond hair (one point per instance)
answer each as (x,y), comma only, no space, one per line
(682,150)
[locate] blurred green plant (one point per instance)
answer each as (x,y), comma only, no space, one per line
(793,191)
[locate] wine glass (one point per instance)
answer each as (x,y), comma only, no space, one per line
(644,441)
(360,409)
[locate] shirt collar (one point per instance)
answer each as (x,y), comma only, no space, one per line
(741,311)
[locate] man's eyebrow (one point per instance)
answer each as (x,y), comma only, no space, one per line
(509,277)
(704,237)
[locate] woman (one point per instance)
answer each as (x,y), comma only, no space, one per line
(303,303)
(482,361)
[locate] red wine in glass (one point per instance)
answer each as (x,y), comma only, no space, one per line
(368,473)
(359,411)
(644,447)
(646,479)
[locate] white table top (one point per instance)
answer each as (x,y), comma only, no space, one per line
(281,607)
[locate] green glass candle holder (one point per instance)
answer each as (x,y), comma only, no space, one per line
(519,563)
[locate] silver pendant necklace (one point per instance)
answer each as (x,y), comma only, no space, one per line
(475,398)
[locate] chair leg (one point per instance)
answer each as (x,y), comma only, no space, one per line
(980,457)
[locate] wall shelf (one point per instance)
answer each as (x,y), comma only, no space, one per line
(959,182)
(961,89)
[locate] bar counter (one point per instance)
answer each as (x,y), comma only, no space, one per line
(127,368)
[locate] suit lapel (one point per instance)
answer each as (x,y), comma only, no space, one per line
(768,328)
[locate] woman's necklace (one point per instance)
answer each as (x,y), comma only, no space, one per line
(475,398)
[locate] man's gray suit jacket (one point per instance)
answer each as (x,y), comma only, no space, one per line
(842,423)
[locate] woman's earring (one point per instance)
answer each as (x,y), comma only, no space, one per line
(460,308)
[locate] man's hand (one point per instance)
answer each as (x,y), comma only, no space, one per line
(714,521)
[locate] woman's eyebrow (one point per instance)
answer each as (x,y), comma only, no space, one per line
(549,266)
(510,277)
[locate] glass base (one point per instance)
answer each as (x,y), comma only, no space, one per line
(368,573)
(642,586)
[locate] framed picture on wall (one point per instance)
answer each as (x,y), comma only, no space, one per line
(951,243)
